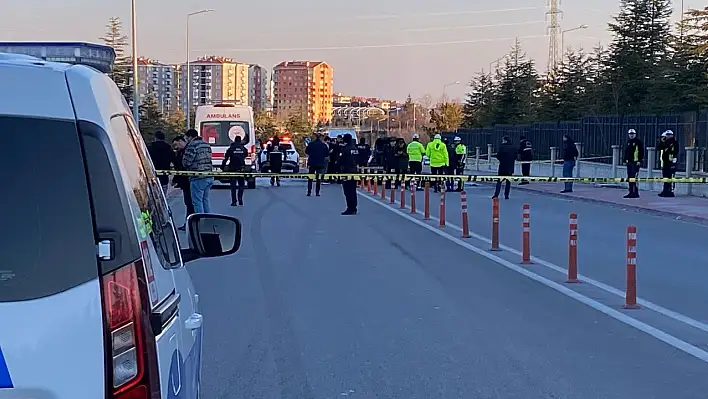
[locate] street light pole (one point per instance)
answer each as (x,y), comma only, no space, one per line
(569,30)
(188,73)
(134,55)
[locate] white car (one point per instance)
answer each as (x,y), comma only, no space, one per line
(95,300)
(291,161)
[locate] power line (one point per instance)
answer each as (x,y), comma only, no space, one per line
(443,14)
(371,46)
(430,29)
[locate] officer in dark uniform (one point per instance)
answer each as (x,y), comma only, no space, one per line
(275,159)
(668,156)
(235,161)
(347,164)
(364,153)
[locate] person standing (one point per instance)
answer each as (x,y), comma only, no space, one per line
(507,156)
(633,157)
(347,164)
(400,156)
(668,154)
(525,156)
(235,162)
(197,158)
(275,159)
(317,152)
(163,158)
(390,162)
(182,182)
(460,161)
(364,153)
(570,154)
(452,162)
(436,151)
(415,157)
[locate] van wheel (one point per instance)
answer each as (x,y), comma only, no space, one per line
(251,184)
(297,169)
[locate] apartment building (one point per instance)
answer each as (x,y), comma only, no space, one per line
(157,80)
(259,88)
(214,79)
(303,88)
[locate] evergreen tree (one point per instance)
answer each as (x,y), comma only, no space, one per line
(266,126)
(517,86)
(479,108)
(121,73)
(151,119)
(641,41)
(564,93)
(688,73)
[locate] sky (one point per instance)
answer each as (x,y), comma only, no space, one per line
(378,49)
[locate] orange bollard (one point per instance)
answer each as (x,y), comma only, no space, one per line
(403,196)
(393,194)
(495,224)
(376,187)
(426,201)
(368,185)
(573,249)
(413,191)
(383,189)
(442,207)
(526,236)
(465,220)
(630,298)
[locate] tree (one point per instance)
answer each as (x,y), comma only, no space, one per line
(151,119)
(517,84)
(478,110)
(121,72)
(563,95)
(175,123)
(446,118)
(299,127)
(266,126)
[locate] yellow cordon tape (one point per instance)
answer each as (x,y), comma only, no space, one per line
(433,178)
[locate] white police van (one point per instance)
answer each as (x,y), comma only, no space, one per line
(95,300)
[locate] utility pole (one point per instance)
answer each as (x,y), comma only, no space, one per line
(554,13)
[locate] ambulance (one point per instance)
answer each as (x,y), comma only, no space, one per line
(218,124)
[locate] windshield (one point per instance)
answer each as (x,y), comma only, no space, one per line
(222,133)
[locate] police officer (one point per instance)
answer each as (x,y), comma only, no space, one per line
(415,156)
(436,151)
(347,164)
(400,155)
(364,153)
(390,160)
(525,156)
(461,158)
(633,156)
(235,161)
(275,159)
(452,162)
(668,154)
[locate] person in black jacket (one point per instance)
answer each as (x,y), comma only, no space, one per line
(525,156)
(317,153)
(450,169)
(364,153)
(400,156)
(506,156)
(668,156)
(163,157)
(633,157)
(235,161)
(182,182)
(389,160)
(275,159)
(570,154)
(347,164)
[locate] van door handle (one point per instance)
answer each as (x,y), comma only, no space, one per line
(164,313)
(194,321)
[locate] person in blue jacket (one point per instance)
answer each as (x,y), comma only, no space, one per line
(317,152)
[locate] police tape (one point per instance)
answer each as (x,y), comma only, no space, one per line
(434,178)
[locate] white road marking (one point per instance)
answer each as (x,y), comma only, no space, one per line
(619,316)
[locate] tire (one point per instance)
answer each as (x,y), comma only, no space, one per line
(297,169)
(251,184)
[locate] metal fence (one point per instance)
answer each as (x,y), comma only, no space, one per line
(598,134)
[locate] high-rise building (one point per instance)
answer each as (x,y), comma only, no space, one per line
(214,80)
(303,88)
(258,88)
(158,80)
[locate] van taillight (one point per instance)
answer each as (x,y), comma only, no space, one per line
(253,149)
(127,332)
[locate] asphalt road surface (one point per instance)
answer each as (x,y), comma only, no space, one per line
(318,305)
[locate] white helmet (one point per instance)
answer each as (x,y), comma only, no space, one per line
(457,138)
(631,131)
(437,137)
(667,133)
(416,136)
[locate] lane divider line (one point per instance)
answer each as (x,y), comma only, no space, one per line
(615,314)
(598,284)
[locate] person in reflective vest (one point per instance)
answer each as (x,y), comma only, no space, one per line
(633,157)
(668,156)
(461,159)
(436,151)
(415,157)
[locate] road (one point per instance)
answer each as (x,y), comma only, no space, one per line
(318,305)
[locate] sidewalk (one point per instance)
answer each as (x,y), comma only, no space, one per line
(694,209)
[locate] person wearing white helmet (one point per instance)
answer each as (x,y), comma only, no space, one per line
(461,159)
(436,151)
(668,155)
(415,155)
(633,157)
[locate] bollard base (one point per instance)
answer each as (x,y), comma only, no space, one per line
(526,262)
(631,306)
(466,236)
(572,281)
(494,249)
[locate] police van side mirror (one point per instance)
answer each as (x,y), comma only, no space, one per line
(211,235)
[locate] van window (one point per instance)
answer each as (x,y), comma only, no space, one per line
(48,244)
(222,133)
(148,192)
